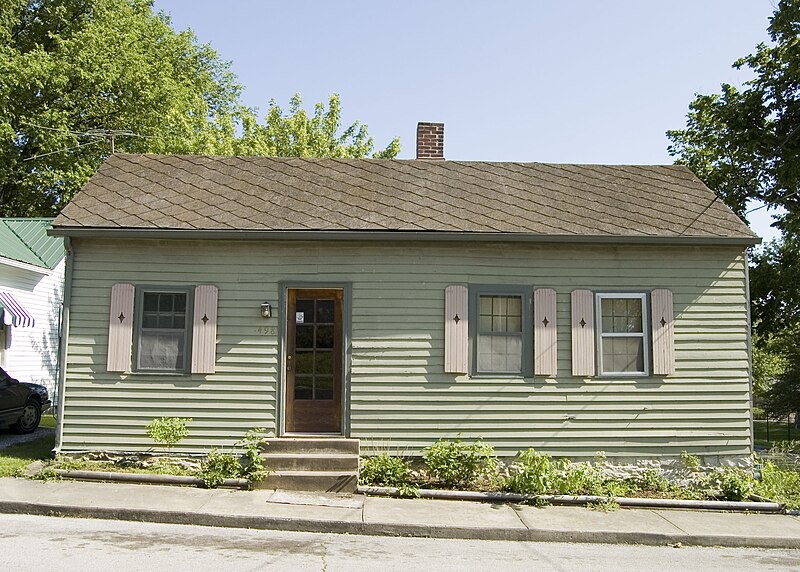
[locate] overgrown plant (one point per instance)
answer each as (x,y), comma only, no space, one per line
(460,464)
(533,473)
(220,465)
(384,471)
(168,431)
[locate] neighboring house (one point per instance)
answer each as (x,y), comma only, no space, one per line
(31,293)
(570,308)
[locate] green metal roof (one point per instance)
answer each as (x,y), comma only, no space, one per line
(26,240)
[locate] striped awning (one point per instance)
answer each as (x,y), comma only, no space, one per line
(13,313)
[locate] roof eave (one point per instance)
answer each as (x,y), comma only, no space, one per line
(158,233)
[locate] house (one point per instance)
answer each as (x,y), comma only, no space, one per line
(570,308)
(31,292)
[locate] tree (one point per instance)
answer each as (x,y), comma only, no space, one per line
(297,135)
(71,71)
(745,145)
(73,66)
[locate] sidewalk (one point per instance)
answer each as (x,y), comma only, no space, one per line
(356,514)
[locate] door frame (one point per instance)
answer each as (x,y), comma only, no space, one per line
(283,301)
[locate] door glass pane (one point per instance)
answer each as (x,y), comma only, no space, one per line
(323,387)
(325,311)
(305,336)
(306,308)
(324,363)
(303,387)
(325,336)
(304,362)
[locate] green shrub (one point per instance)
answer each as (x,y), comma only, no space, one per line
(459,464)
(650,481)
(384,471)
(532,474)
(784,447)
(168,431)
(689,462)
(735,484)
(218,466)
(578,479)
(779,485)
(252,466)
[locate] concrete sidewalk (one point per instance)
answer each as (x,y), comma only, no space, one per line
(356,514)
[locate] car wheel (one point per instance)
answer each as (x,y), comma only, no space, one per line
(29,420)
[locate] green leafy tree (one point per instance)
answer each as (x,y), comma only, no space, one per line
(72,67)
(744,143)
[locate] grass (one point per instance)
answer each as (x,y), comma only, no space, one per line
(778,431)
(16,457)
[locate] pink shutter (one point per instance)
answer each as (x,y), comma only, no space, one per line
(120,327)
(456,331)
(204,329)
(544,332)
(662,320)
(583,340)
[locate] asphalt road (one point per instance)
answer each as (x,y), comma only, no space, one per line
(43,543)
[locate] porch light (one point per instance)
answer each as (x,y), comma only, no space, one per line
(266,310)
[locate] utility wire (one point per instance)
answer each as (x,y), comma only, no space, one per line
(61,150)
(109,135)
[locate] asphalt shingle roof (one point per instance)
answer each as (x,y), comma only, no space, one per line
(26,240)
(291,194)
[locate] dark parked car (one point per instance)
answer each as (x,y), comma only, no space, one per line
(21,404)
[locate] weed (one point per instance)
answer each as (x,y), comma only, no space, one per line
(459,464)
(533,474)
(168,431)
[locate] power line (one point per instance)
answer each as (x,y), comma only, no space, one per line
(109,135)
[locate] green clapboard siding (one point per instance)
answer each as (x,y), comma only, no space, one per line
(399,397)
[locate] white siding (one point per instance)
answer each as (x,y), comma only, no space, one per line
(32,353)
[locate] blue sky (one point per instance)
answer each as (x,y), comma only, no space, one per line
(556,81)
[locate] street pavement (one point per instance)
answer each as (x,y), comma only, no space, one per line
(375,516)
(84,545)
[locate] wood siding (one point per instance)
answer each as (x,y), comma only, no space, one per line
(398,394)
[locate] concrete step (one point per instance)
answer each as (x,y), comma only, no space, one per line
(327,481)
(310,461)
(312,445)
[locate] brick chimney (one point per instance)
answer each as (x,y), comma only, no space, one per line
(430,140)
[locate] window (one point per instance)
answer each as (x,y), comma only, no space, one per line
(163,330)
(622,320)
(503,326)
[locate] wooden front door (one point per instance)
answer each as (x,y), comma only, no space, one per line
(314,361)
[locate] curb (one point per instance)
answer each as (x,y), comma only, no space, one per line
(393,529)
(581,500)
(147,479)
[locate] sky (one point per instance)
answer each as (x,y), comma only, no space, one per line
(570,81)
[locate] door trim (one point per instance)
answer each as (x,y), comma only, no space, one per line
(281,394)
